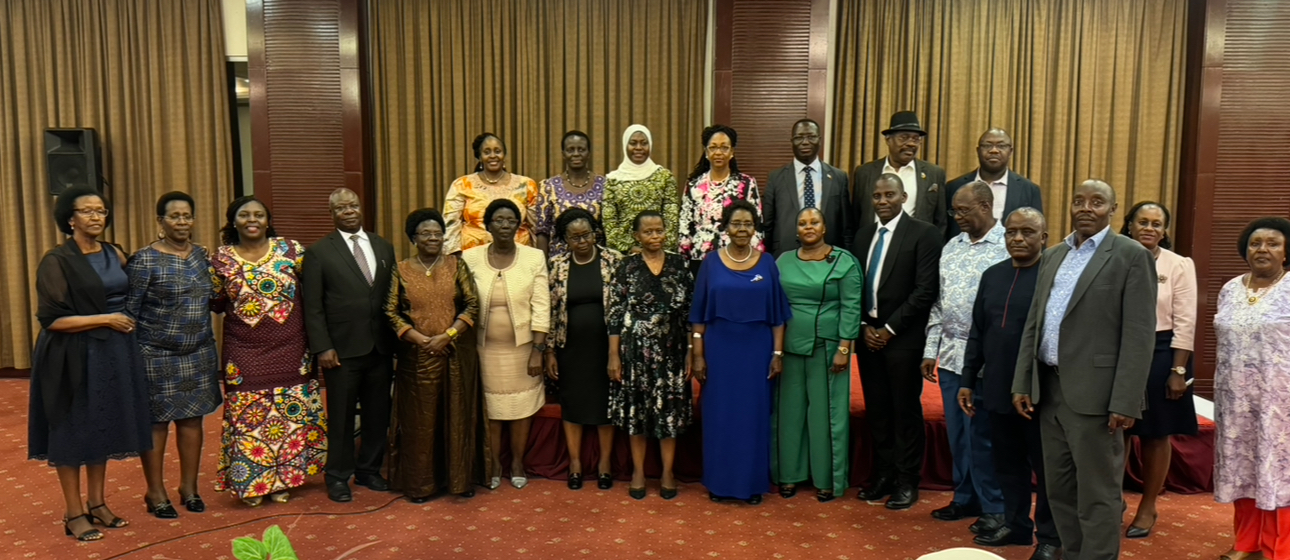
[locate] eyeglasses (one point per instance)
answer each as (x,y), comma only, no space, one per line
(180,218)
(589,237)
(956,212)
(740,225)
(719,149)
(429,235)
(87,212)
(505,221)
(1002,147)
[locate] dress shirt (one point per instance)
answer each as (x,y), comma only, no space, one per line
(998,323)
(886,256)
(1176,298)
(363,242)
(1063,288)
(816,179)
(1000,188)
(962,263)
(909,177)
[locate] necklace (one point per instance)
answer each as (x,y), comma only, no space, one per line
(713,178)
(578,262)
(432,265)
(568,179)
(1252,296)
(732,257)
(484,175)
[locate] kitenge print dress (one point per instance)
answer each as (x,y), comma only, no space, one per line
(274,426)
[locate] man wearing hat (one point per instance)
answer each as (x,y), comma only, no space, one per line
(923,181)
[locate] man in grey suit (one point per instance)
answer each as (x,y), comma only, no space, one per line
(1011,190)
(923,181)
(807,182)
(1083,363)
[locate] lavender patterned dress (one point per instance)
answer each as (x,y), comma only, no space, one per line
(553,199)
(1252,396)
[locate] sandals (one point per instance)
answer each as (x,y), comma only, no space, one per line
(163,510)
(91,535)
(280,497)
(114,523)
(253,502)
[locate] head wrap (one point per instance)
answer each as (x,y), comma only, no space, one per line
(628,171)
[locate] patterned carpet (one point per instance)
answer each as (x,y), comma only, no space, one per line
(544,520)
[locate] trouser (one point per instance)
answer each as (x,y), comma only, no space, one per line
(1084,467)
(974,478)
(1018,453)
(811,421)
(892,382)
(1263,531)
(365,380)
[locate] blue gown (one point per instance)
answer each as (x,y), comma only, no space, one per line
(739,309)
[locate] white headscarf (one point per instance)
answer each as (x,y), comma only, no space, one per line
(628,171)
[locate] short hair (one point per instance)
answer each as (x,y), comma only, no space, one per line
(331,198)
(1133,214)
(228,233)
(1029,211)
(640,217)
(174,196)
(980,191)
(1098,183)
(815,209)
(893,179)
(499,204)
(568,217)
(740,204)
(801,122)
(421,216)
(574,134)
(65,206)
(1279,224)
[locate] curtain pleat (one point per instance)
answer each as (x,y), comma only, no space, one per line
(149,77)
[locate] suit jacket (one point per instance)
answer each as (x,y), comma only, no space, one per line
(1021,193)
(780,207)
(910,282)
(342,312)
(1108,333)
(931,202)
(528,290)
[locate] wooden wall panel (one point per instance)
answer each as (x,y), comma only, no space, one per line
(307,111)
(1237,138)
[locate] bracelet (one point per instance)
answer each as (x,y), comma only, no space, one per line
(452,333)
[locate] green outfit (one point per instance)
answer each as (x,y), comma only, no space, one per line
(812,414)
(625,199)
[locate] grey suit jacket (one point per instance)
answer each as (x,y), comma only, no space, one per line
(1022,192)
(1108,334)
(931,198)
(780,207)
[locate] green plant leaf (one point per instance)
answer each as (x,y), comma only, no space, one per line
(278,545)
(247,548)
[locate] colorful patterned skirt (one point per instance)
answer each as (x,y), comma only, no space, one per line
(272,440)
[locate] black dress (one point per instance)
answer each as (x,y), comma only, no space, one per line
(584,360)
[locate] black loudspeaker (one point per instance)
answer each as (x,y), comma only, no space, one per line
(73,159)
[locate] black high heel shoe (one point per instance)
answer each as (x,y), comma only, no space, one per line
(90,535)
(636,493)
(755,500)
(575,481)
(605,481)
(114,523)
(163,510)
(787,491)
(667,493)
(192,502)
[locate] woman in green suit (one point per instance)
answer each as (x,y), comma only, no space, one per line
(811,417)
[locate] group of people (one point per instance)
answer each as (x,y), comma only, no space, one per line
(623,290)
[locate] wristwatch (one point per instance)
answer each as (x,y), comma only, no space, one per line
(779,353)
(1180,370)
(844,350)
(540,346)
(696,335)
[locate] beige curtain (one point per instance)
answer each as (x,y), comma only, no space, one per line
(445,71)
(149,77)
(1087,88)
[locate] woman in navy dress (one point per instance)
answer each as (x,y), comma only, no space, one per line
(738,318)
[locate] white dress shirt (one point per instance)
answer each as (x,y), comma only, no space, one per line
(817,181)
(886,256)
(909,176)
(1000,188)
(363,242)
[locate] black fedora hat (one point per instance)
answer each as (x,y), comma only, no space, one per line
(905,121)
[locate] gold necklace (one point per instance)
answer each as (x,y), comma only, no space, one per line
(432,265)
(484,175)
(1253,296)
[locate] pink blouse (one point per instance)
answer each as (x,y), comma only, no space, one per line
(1176,298)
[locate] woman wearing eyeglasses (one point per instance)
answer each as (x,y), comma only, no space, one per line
(715,183)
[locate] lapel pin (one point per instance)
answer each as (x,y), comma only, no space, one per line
(922,175)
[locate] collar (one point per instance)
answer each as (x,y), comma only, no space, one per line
(891,226)
(995,236)
(360,233)
(886,165)
(1096,240)
(1002,180)
(798,166)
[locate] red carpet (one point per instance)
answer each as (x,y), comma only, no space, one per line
(544,520)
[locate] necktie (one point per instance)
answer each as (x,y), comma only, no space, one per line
(808,189)
(871,274)
(361,257)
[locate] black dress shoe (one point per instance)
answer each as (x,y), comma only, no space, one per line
(467,494)
(754,500)
(372,482)
(987,524)
(904,497)
(1131,533)
(1003,536)
(667,493)
(787,491)
(955,512)
(636,493)
(419,499)
(1046,552)
(575,481)
(193,503)
(338,491)
(605,481)
(880,489)
(163,510)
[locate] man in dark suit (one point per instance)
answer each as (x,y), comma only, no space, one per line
(923,181)
(1084,361)
(807,182)
(990,360)
(345,279)
(1011,191)
(901,282)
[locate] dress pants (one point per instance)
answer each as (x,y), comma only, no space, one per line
(1084,468)
(974,473)
(1018,453)
(892,382)
(365,380)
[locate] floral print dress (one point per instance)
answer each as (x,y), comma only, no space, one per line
(650,315)
(274,428)
(701,210)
